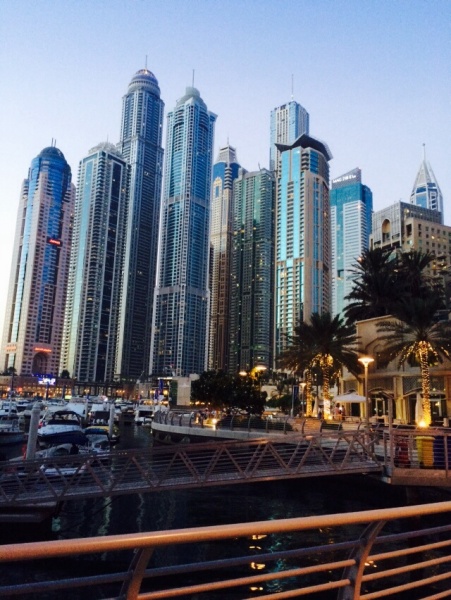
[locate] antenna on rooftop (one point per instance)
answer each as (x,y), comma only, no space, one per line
(424,151)
(145,63)
(192,84)
(292,85)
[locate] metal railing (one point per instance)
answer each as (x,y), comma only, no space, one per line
(58,479)
(360,555)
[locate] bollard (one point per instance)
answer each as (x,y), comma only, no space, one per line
(111,421)
(33,432)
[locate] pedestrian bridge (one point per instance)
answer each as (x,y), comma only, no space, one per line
(55,480)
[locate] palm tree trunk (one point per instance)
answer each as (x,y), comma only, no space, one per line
(308,393)
(425,383)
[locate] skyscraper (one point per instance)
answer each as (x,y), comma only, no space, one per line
(252,272)
(140,146)
(288,122)
(95,281)
(426,191)
(179,340)
(40,266)
(225,171)
(302,235)
(351,206)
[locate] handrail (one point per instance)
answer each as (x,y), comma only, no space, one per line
(363,565)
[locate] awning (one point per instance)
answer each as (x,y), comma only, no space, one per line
(351,397)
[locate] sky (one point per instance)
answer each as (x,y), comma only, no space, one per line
(374,75)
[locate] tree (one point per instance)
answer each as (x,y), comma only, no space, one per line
(221,391)
(417,336)
(326,343)
(65,374)
(373,288)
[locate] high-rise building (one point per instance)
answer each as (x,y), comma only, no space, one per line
(252,272)
(40,266)
(225,171)
(140,146)
(302,235)
(179,340)
(288,122)
(351,206)
(426,191)
(97,263)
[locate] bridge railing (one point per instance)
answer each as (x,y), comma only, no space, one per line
(359,555)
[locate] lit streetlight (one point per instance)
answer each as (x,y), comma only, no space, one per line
(303,384)
(366,361)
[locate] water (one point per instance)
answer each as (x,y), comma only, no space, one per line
(199,507)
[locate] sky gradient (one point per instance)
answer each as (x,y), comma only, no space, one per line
(374,75)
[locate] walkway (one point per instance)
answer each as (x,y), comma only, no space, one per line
(185,466)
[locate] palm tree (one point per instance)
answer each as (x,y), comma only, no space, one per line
(373,288)
(327,343)
(415,335)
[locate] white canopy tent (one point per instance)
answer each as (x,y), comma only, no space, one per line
(350,397)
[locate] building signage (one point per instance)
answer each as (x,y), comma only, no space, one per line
(54,242)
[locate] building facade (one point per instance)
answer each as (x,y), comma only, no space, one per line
(225,171)
(426,191)
(34,317)
(351,207)
(140,145)
(302,285)
(252,272)
(95,282)
(179,337)
(287,123)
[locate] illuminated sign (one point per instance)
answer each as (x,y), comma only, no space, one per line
(54,242)
(46,381)
(39,349)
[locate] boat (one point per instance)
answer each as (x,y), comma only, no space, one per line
(60,427)
(144,415)
(10,431)
(8,408)
(97,432)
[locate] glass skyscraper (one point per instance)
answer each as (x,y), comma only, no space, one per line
(95,282)
(288,122)
(40,266)
(140,146)
(225,171)
(351,207)
(252,272)
(426,191)
(302,235)
(179,340)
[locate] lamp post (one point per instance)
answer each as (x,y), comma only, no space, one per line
(366,361)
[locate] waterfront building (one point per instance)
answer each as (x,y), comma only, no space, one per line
(302,285)
(351,206)
(97,263)
(252,272)
(225,171)
(140,145)
(426,191)
(40,266)
(404,227)
(179,335)
(287,123)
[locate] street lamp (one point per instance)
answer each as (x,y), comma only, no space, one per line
(366,361)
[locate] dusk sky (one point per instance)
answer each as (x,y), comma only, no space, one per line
(375,76)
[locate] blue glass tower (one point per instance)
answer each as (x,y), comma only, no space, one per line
(351,207)
(97,263)
(179,341)
(303,235)
(225,171)
(140,146)
(426,191)
(288,122)
(40,266)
